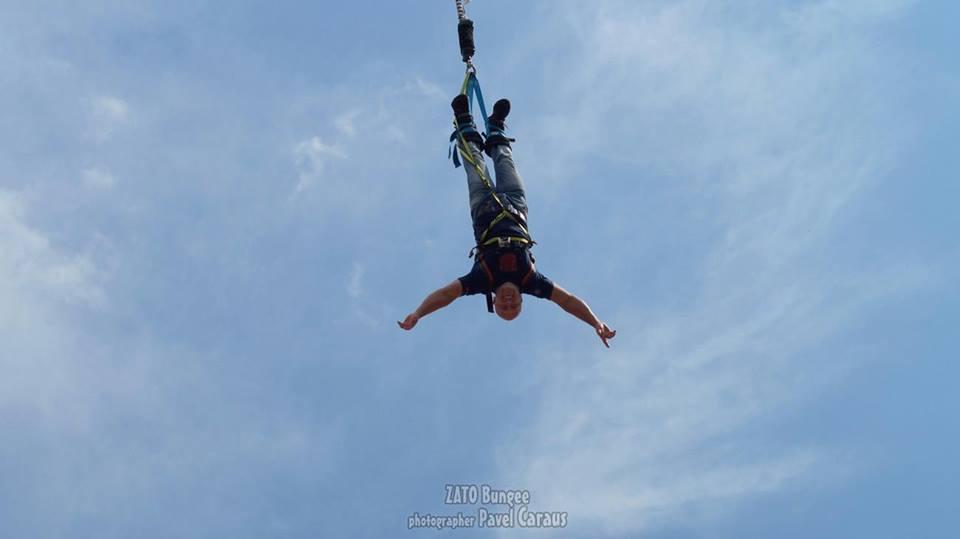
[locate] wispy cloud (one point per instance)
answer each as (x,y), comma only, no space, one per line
(40,286)
(96,178)
(429,89)
(346,123)
(119,412)
(32,267)
(108,114)
(760,124)
(311,157)
(371,126)
(355,284)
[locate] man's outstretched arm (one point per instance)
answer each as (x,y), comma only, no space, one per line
(437,299)
(576,306)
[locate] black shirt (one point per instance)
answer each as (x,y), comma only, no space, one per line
(510,264)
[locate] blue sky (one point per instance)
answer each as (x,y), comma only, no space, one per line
(211,216)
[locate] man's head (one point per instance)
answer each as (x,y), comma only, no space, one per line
(507,301)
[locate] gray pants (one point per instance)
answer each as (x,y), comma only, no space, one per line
(509,186)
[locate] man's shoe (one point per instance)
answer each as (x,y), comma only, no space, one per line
(500,111)
(460,105)
(496,126)
(464,120)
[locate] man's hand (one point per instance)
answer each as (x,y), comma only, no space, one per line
(437,299)
(575,306)
(409,322)
(605,333)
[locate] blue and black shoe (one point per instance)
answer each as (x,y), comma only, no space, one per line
(464,120)
(501,109)
(497,127)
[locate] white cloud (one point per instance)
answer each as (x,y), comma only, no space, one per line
(395,134)
(311,157)
(370,130)
(355,284)
(88,395)
(346,123)
(96,178)
(109,114)
(31,268)
(779,133)
(40,286)
(430,89)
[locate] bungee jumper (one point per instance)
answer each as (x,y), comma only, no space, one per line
(503,269)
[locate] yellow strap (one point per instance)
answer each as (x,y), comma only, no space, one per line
(516,239)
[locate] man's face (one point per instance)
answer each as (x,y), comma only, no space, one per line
(508,301)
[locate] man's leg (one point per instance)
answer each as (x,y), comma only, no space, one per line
(508,179)
(498,148)
(476,187)
(470,144)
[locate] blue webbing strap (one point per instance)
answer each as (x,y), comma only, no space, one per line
(474,87)
(471,90)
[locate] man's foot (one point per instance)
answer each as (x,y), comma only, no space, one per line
(460,105)
(465,125)
(497,127)
(500,111)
